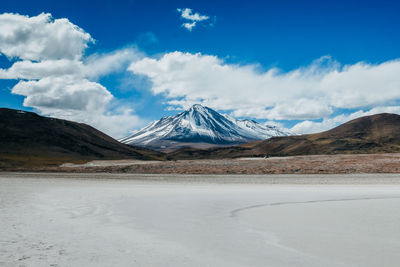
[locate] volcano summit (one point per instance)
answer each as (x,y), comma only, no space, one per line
(200,127)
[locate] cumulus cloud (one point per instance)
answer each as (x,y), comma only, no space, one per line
(94,66)
(64,93)
(97,65)
(36,70)
(193,18)
(41,37)
(54,76)
(307,93)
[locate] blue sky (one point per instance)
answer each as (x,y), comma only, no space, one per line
(305,65)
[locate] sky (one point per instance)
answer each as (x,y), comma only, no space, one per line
(305,66)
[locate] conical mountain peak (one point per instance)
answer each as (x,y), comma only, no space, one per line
(197,107)
(200,124)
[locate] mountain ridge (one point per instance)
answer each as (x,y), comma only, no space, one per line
(379,133)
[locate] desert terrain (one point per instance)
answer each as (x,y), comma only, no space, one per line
(102,219)
(309,164)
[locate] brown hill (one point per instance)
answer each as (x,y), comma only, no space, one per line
(371,134)
(27,139)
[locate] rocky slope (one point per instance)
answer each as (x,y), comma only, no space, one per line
(29,139)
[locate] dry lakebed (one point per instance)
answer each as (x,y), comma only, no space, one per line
(100,219)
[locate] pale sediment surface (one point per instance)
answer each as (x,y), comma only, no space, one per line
(199,221)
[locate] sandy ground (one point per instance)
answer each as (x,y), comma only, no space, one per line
(108,163)
(314,164)
(169,220)
(311,164)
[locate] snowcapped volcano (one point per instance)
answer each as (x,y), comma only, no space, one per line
(200,125)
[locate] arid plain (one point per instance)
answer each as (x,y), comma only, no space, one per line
(101,219)
(309,164)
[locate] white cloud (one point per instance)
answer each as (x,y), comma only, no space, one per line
(310,92)
(102,64)
(189,26)
(194,18)
(187,13)
(54,77)
(94,66)
(35,70)
(64,93)
(307,126)
(41,37)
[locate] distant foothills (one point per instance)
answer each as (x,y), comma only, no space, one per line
(28,140)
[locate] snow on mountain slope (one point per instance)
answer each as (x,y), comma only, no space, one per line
(201,125)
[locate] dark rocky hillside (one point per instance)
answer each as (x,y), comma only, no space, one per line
(29,139)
